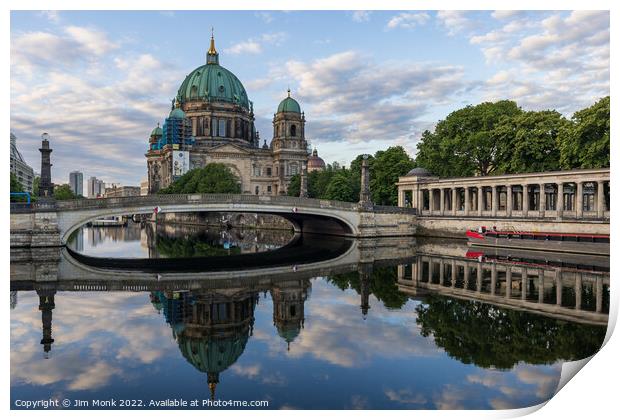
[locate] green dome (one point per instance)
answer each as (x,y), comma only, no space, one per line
(289,105)
(213,82)
(177,113)
(157,131)
(213,355)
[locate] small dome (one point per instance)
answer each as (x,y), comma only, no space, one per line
(177,113)
(157,131)
(315,162)
(419,172)
(289,104)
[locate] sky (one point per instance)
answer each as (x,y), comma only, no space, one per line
(99,81)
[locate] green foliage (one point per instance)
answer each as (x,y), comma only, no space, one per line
(585,142)
(36,182)
(382,284)
(465,143)
(387,166)
(294,187)
(339,187)
(16,186)
(191,247)
(528,142)
(214,178)
(490,336)
(63,192)
(339,183)
(496,138)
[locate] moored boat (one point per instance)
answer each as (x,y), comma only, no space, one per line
(578,243)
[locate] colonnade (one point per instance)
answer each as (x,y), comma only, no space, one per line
(569,292)
(579,194)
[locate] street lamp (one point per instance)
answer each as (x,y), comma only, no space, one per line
(45,137)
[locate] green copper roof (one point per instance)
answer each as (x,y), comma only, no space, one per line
(157,131)
(177,113)
(213,82)
(289,105)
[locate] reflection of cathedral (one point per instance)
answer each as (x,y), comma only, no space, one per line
(212,328)
(212,121)
(288,308)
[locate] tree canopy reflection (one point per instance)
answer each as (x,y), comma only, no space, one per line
(488,336)
(383,285)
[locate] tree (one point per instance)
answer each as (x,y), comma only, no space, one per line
(387,166)
(585,142)
(490,336)
(63,192)
(383,284)
(465,144)
(294,186)
(16,186)
(35,186)
(214,178)
(528,142)
(339,187)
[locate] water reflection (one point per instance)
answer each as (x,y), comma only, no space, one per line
(174,241)
(422,331)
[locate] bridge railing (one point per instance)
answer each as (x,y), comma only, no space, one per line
(163,199)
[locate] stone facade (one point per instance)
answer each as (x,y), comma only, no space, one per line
(223,131)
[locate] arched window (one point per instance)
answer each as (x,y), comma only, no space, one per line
(256,190)
(293,130)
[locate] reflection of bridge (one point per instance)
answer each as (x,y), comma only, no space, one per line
(51,224)
(69,271)
(564,293)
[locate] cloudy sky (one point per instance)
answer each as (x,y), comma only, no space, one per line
(98,82)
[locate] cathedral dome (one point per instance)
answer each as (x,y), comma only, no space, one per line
(177,113)
(213,83)
(289,104)
(315,163)
(157,131)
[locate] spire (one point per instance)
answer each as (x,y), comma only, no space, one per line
(288,91)
(212,55)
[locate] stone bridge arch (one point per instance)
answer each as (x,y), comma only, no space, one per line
(306,215)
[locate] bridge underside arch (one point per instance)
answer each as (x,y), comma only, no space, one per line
(305,221)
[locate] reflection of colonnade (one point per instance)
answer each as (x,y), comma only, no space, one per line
(575,194)
(572,294)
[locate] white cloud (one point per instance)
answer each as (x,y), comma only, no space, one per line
(51,15)
(352,98)
(454,20)
(96,105)
(255,45)
(556,60)
(265,16)
(361,16)
(408,20)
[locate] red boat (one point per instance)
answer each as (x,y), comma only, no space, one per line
(578,243)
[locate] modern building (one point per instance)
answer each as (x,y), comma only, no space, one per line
(76,182)
(95,187)
(122,191)
(19,167)
(212,121)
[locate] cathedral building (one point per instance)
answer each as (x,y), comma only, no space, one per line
(212,121)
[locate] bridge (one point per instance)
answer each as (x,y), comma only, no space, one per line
(52,223)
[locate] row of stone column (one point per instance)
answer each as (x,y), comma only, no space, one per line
(417,274)
(524,209)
